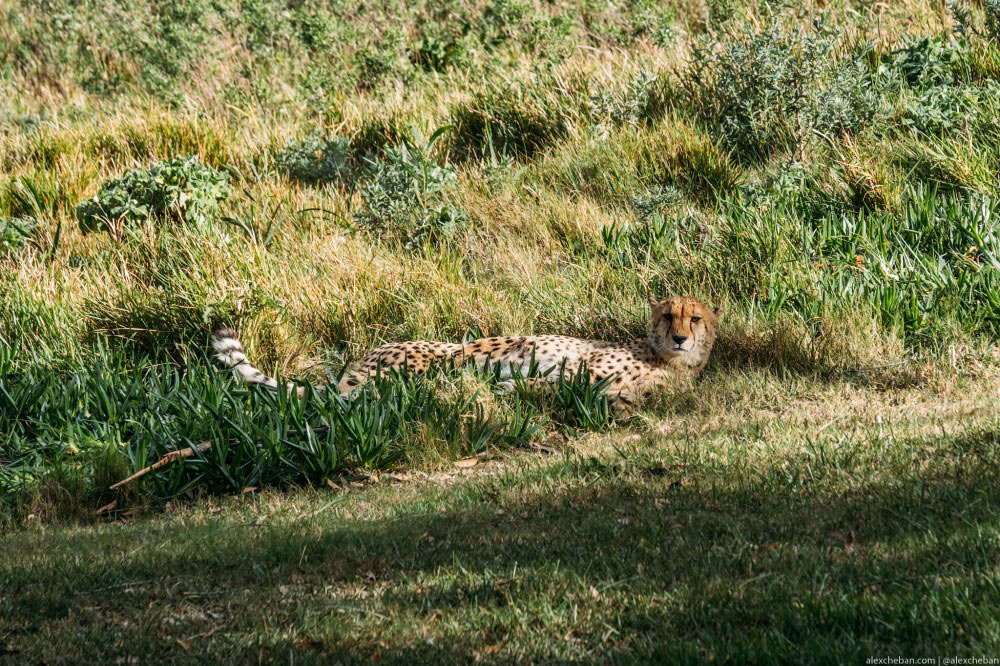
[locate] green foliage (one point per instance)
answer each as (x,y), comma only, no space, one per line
(574,401)
(15,232)
(382,61)
(649,242)
(501,22)
(405,195)
(936,77)
(646,205)
(850,102)
(927,62)
(514,122)
(763,90)
(992,10)
(655,21)
(754,86)
(259,437)
(943,109)
(180,190)
(316,159)
(643,100)
(925,270)
(436,54)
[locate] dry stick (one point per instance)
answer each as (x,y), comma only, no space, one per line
(165,460)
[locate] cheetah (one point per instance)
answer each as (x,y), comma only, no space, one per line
(680,339)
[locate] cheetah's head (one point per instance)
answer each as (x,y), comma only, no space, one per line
(683,330)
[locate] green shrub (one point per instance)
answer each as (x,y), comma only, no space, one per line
(763,92)
(754,86)
(946,108)
(180,190)
(643,100)
(655,21)
(992,9)
(658,198)
(404,197)
(501,22)
(847,104)
(316,159)
(15,232)
(550,36)
(443,44)
(926,62)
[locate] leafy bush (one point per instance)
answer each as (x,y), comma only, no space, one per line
(655,21)
(763,91)
(946,108)
(754,86)
(180,190)
(405,195)
(15,232)
(663,196)
(512,122)
(436,54)
(926,62)
(316,159)
(848,104)
(501,22)
(643,100)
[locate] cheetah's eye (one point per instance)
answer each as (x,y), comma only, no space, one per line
(695,320)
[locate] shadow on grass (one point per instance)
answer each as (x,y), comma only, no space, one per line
(629,561)
(792,353)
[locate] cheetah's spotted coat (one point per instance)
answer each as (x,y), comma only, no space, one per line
(681,336)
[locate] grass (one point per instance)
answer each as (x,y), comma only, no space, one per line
(325,178)
(705,534)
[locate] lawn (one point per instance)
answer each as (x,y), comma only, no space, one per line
(326,177)
(816,522)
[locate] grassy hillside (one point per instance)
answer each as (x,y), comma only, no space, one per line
(326,176)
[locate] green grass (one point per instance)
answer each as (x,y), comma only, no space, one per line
(326,177)
(704,538)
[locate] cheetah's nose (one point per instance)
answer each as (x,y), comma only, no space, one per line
(680,338)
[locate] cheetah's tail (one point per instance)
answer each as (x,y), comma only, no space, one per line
(229,354)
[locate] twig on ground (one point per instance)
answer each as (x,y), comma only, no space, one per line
(165,460)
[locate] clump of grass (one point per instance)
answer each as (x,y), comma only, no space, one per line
(906,268)
(518,123)
(385,60)
(180,190)
(376,136)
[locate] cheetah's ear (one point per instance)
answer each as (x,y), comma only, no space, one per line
(656,304)
(717,311)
